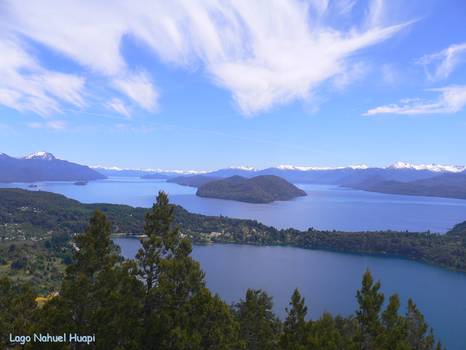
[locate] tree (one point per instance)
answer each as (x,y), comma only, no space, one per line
(258,326)
(179,312)
(370,302)
(73,309)
(295,327)
(18,312)
(324,334)
(417,339)
(395,327)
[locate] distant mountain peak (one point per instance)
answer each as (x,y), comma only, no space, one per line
(431,167)
(400,165)
(40,155)
(245,168)
(311,168)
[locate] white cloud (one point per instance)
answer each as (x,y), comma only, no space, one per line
(34,125)
(26,86)
(444,61)
(119,106)
(452,100)
(139,89)
(57,125)
(266,52)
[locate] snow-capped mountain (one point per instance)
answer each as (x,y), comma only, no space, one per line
(311,168)
(431,167)
(43,166)
(139,172)
(43,155)
(350,174)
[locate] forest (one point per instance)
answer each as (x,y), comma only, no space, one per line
(160,301)
(36,216)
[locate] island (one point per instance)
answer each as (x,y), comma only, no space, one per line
(80,183)
(259,189)
(154,176)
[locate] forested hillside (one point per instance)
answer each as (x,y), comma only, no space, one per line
(160,301)
(34,215)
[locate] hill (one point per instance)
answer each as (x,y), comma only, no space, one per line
(43,166)
(193,181)
(259,189)
(444,185)
(155,176)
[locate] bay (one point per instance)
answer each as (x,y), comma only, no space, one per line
(325,207)
(329,280)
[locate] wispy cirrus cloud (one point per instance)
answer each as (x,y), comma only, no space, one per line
(57,125)
(451,100)
(26,86)
(443,62)
(264,52)
(119,106)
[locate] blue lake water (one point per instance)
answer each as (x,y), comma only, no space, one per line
(325,207)
(329,281)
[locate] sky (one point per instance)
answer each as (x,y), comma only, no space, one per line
(208,84)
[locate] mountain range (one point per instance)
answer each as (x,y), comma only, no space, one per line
(399,178)
(43,166)
(345,176)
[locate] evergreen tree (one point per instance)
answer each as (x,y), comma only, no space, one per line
(179,312)
(18,313)
(370,302)
(72,311)
(417,339)
(295,327)
(324,334)
(395,327)
(258,326)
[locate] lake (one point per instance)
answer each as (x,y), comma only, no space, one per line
(329,280)
(326,207)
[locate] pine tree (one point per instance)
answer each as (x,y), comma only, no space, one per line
(417,339)
(370,302)
(72,311)
(395,328)
(179,312)
(259,328)
(295,327)
(18,312)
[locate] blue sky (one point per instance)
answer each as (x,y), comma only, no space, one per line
(207,84)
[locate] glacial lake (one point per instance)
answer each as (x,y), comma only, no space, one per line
(326,207)
(328,280)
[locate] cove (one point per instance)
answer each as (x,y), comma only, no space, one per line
(329,281)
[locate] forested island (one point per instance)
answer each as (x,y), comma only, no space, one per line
(259,189)
(160,300)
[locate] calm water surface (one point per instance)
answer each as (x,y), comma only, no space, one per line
(329,281)
(325,208)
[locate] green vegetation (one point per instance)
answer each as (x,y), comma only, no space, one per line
(444,185)
(36,216)
(259,189)
(193,181)
(160,301)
